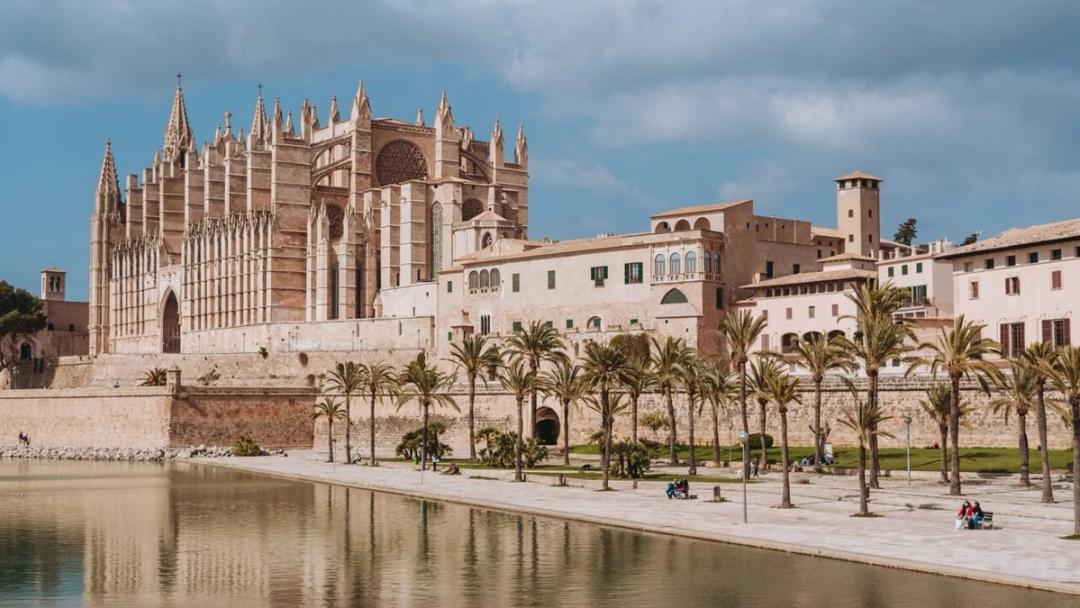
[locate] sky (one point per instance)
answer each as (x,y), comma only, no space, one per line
(967,109)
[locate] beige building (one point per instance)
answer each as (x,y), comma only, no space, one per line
(1023,284)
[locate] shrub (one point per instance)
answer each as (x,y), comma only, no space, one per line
(631,459)
(246,446)
(755,441)
(409,448)
(154,377)
(498,450)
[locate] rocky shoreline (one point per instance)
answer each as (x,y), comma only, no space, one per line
(120,454)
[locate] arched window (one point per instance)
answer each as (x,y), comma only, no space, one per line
(436,240)
(71,327)
(25,352)
(836,333)
(474,280)
(691,262)
(702,224)
(486,241)
(483,279)
(811,335)
(673,296)
(495,279)
(662,228)
(658,265)
(675,264)
(682,225)
(707,259)
(716,262)
(593,323)
(787,342)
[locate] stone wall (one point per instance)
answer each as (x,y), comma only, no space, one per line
(157,417)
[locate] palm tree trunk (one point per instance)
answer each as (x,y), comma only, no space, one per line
(785,498)
(330,438)
(518,441)
(673,435)
(472,419)
(715,437)
(1074,405)
(764,445)
(954,434)
(1044,453)
(864,491)
(533,367)
(690,415)
(371,429)
(605,425)
(817,426)
(633,418)
(745,421)
(944,429)
(871,396)
(423,444)
(566,432)
(348,428)
(1025,464)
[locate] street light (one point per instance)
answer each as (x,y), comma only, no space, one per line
(743,438)
(907,426)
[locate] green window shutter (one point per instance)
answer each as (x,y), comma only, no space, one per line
(517,326)
(605,272)
(569,324)
(549,324)
(551,279)
(592,273)
(449,287)
(626,273)
(516,278)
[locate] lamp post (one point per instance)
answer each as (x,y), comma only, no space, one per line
(743,437)
(907,426)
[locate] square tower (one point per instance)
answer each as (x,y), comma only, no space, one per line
(53,283)
(858,212)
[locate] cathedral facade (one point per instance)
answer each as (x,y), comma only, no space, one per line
(279,236)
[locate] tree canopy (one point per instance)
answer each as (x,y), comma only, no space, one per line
(907,231)
(20,314)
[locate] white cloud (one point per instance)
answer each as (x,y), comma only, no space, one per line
(588,176)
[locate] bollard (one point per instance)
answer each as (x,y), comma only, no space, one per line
(716,494)
(562,479)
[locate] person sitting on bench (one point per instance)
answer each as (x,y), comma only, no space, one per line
(975,520)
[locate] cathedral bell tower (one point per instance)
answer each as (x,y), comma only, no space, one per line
(105,227)
(858,213)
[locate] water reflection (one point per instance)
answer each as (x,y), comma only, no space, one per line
(108,534)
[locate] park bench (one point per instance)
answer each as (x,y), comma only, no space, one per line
(987,522)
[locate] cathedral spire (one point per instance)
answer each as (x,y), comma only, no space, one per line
(361,107)
(289,125)
(444,116)
(260,126)
(108,182)
(420,117)
(335,114)
(521,148)
(177,130)
(496,147)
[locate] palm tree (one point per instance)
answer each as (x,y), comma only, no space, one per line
(607,410)
(784,389)
(564,384)
(535,343)
(761,371)
(820,355)
(958,352)
(1038,357)
(420,381)
(473,356)
(695,381)
(1064,376)
(346,378)
(880,337)
(604,368)
(865,419)
(666,361)
(741,331)
(654,421)
(1017,393)
(154,377)
(379,381)
(722,390)
(938,406)
(519,380)
(330,409)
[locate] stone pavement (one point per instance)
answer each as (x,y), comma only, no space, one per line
(915,531)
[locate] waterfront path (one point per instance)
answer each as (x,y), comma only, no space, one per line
(915,531)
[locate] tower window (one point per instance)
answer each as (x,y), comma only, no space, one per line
(851,238)
(851,213)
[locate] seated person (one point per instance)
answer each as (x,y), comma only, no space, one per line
(975,522)
(962,515)
(671,489)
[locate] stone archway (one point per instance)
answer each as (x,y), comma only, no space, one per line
(547,426)
(170,324)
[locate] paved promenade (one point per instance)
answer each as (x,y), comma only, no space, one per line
(915,531)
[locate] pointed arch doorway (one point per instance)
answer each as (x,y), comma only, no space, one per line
(170,324)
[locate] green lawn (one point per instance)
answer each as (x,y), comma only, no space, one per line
(922,459)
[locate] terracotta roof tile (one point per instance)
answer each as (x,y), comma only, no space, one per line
(1018,237)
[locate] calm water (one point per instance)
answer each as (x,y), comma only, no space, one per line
(107,534)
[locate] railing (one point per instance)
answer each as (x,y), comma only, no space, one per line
(679,277)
